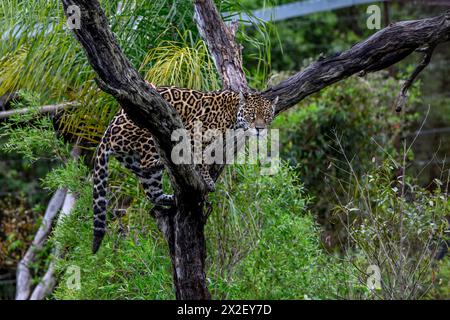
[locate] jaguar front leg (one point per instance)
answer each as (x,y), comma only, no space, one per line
(204,172)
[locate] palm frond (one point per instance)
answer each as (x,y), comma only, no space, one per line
(181,63)
(38,53)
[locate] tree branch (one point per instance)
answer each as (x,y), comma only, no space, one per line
(403,95)
(43,109)
(385,48)
(48,281)
(221,43)
(23,276)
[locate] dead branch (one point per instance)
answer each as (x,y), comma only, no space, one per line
(43,109)
(403,95)
(48,281)
(45,287)
(23,286)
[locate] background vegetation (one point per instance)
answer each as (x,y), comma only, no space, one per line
(356,187)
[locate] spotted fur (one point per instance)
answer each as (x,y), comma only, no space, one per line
(135,148)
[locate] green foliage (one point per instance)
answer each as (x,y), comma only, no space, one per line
(50,53)
(71,175)
(357,111)
(183,64)
(135,267)
(30,135)
(29,148)
(264,244)
(252,253)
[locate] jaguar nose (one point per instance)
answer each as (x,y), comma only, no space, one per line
(259,126)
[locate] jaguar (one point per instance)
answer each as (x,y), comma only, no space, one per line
(135,148)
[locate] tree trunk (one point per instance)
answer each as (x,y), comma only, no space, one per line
(183,229)
(188,258)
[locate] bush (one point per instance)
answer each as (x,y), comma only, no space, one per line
(262,243)
(359,112)
(135,266)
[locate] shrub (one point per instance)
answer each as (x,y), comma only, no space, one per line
(262,243)
(358,111)
(397,227)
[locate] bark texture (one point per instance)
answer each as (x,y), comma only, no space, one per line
(220,39)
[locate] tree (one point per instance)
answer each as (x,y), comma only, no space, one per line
(183,224)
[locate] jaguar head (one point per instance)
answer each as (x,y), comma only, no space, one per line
(255,113)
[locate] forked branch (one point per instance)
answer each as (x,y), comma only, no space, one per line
(403,95)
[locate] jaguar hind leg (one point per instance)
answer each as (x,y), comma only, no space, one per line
(150,178)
